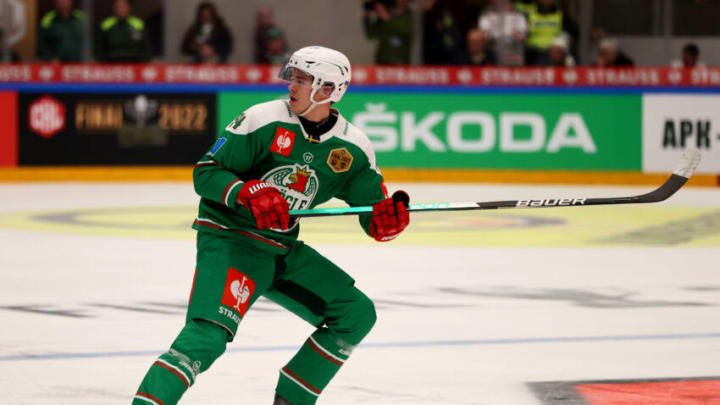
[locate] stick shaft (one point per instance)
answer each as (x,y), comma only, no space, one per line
(671,186)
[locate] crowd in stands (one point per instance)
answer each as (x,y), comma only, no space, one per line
(503,33)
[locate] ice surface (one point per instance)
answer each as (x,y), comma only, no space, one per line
(471,307)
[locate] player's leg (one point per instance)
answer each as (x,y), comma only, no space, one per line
(324,295)
(197,346)
(349,320)
(229,278)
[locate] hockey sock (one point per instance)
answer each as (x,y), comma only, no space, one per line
(309,372)
(197,346)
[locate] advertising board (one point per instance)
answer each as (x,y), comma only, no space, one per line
(672,122)
(106,129)
(523,131)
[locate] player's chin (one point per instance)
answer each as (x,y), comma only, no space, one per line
(296,107)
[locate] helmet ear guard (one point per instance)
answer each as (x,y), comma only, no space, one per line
(327,88)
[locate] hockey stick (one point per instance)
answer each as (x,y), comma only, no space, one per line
(691,159)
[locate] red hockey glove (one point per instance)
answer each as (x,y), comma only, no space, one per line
(390,217)
(266,204)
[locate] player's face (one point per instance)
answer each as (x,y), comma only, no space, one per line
(300,88)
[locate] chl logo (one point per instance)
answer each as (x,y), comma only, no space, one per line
(297,183)
(283,142)
(238,290)
(47,116)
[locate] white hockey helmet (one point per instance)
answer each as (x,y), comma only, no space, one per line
(328,67)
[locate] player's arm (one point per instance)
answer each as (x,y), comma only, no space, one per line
(216,178)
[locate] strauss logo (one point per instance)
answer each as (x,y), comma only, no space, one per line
(240,291)
(283,141)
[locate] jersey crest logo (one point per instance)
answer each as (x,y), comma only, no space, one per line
(297,183)
(238,290)
(283,142)
(340,160)
(299,180)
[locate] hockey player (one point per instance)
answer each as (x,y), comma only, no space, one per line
(280,155)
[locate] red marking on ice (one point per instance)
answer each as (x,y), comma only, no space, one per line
(698,392)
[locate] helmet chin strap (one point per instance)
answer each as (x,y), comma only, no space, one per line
(307,110)
(313,103)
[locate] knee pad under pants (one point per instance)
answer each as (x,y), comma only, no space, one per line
(202,342)
(351,316)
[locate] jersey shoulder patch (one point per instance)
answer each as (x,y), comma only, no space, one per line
(259,116)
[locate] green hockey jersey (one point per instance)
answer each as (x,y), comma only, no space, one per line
(267,142)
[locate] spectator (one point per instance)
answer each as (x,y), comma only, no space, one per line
(277,47)
(393,30)
(505,29)
(525,6)
(609,55)
(690,57)
(265,21)
(477,52)
(61,34)
(207,40)
(8,55)
(122,37)
(12,28)
(442,33)
(559,56)
(545,22)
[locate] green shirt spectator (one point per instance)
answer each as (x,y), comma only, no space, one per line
(122,37)
(393,30)
(525,6)
(61,34)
